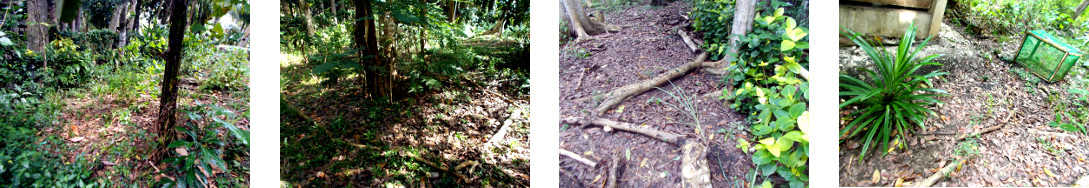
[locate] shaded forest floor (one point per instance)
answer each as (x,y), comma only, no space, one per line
(985,91)
(108,122)
(646,46)
(351,140)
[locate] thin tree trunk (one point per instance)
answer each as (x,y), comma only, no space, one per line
(1081,7)
(309,18)
(37,18)
(743,17)
(169,98)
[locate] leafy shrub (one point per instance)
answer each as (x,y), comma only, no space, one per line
(711,18)
(204,149)
(1011,17)
(229,73)
(98,40)
(774,97)
(68,66)
(896,99)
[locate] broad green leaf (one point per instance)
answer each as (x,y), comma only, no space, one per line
(766,184)
(783,144)
(69,9)
(786,45)
(762,157)
(790,24)
(5,41)
(803,124)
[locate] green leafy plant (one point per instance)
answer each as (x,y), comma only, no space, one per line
(897,97)
(770,91)
(709,17)
(195,157)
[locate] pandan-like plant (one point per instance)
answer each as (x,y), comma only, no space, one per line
(896,99)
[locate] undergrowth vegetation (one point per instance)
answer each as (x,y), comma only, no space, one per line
(766,73)
(77,112)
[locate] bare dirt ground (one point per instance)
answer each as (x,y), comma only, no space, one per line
(984,92)
(646,46)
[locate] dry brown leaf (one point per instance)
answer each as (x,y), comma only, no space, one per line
(76,139)
(107,163)
(181,151)
(876,176)
(643,163)
(598,177)
(899,182)
(1049,173)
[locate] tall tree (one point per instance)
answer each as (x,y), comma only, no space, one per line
(37,20)
(576,18)
(309,18)
(366,38)
(169,97)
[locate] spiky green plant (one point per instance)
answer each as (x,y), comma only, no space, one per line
(896,99)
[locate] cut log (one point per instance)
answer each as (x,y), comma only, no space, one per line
(688,41)
(578,158)
(506,126)
(694,168)
(663,136)
(618,95)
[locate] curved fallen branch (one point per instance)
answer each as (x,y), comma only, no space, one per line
(663,136)
(618,95)
(576,157)
(941,173)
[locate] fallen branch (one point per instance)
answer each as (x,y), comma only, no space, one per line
(581,76)
(988,129)
(576,157)
(611,183)
(506,126)
(688,41)
(610,124)
(938,175)
(618,95)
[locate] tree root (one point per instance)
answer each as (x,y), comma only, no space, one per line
(618,95)
(581,159)
(988,129)
(610,124)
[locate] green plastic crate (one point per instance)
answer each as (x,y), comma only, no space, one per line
(1046,56)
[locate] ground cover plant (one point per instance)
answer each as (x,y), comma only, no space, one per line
(643,89)
(80,104)
(405,93)
(997,124)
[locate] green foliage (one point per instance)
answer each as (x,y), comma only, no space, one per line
(99,12)
(896,99)
(204,148)
(769,90)
(686,104)
(1013,17)
(710,18)
(226,73)
(68,66)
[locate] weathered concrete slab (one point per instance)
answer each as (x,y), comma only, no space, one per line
(883,22)
(923,4)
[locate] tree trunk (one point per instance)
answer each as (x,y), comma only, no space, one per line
(309,18)
(169,97)
(333,7)
(451,10)
(582,25)
(37,19)
(123,28)
(743,17)
(366,38)
(136,17)
(1081,7)
(497,28)
(115,18)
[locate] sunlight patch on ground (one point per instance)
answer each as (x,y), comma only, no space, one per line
(290,59)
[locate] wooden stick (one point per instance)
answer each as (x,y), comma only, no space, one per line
(572,155)
(938,175)
(581,76)
(688,41)
(663,136)
(506,126)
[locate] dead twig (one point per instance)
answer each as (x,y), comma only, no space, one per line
(506,126)
(576,157)
(611,183)
(943,172)
(610,124)
(688,41)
